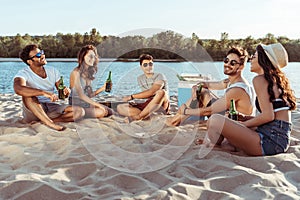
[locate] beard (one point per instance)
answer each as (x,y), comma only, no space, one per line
(41,63)
(231,72)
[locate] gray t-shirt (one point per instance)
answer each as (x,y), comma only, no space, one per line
(146,83)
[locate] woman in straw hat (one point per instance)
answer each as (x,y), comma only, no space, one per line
(269,132)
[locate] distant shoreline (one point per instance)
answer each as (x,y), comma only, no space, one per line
(101,60)
(108,60)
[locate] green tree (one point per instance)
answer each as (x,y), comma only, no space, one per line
(50,44)
(164,45)
(16,45)
(95,37)
(269,39)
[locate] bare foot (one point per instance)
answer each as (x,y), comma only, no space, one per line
(168,122)
(56,127)
(200,141)
(229,147)
(135,117)
(173,121)
(127,120)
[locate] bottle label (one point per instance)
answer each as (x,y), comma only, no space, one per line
(61,94)
(233,116)
(108,87)
(61,87)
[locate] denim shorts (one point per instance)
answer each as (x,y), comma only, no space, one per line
(274,137)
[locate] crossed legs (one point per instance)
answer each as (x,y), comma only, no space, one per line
(70,113)
(98,112)
(179,118)
(159,100)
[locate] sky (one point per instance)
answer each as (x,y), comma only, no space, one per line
(208,19)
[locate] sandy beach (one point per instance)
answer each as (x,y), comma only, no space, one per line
(110,159)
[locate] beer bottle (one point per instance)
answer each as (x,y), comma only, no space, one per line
(108,83)
(233,114)
(61,87)
(181,78)
(198,91)
(197,103)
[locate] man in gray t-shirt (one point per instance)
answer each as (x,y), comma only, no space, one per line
(154,88)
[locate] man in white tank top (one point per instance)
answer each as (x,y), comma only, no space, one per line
(237,88)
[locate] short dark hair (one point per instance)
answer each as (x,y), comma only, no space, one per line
(24,54)
(242,53)
(145,57)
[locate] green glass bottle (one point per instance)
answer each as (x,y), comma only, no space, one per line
(61,87)
(197,103)
(233,114)
(108,83)
(180,77)
(198,91)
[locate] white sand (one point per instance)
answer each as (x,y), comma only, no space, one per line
(39,163)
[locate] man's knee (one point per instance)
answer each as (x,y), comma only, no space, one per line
(160,93)
(121,108)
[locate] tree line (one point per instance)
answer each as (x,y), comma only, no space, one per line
(164,45)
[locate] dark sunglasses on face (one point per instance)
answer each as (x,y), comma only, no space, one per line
(38,55)
(92,56)
(231,62)
(252,57)
(146,64)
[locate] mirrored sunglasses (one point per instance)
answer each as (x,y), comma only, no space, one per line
(146,64)
(38,55)
(231,62)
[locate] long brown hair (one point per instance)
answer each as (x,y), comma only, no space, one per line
(92,70)
(275,76)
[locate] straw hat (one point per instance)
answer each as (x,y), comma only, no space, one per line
(277,54)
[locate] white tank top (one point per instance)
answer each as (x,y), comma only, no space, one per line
(249,90)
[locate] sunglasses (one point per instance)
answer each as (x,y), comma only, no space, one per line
(92,56)
(146,64)
(252,57)
(38,55)
(231,62)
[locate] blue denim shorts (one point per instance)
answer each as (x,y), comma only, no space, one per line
(274,137)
